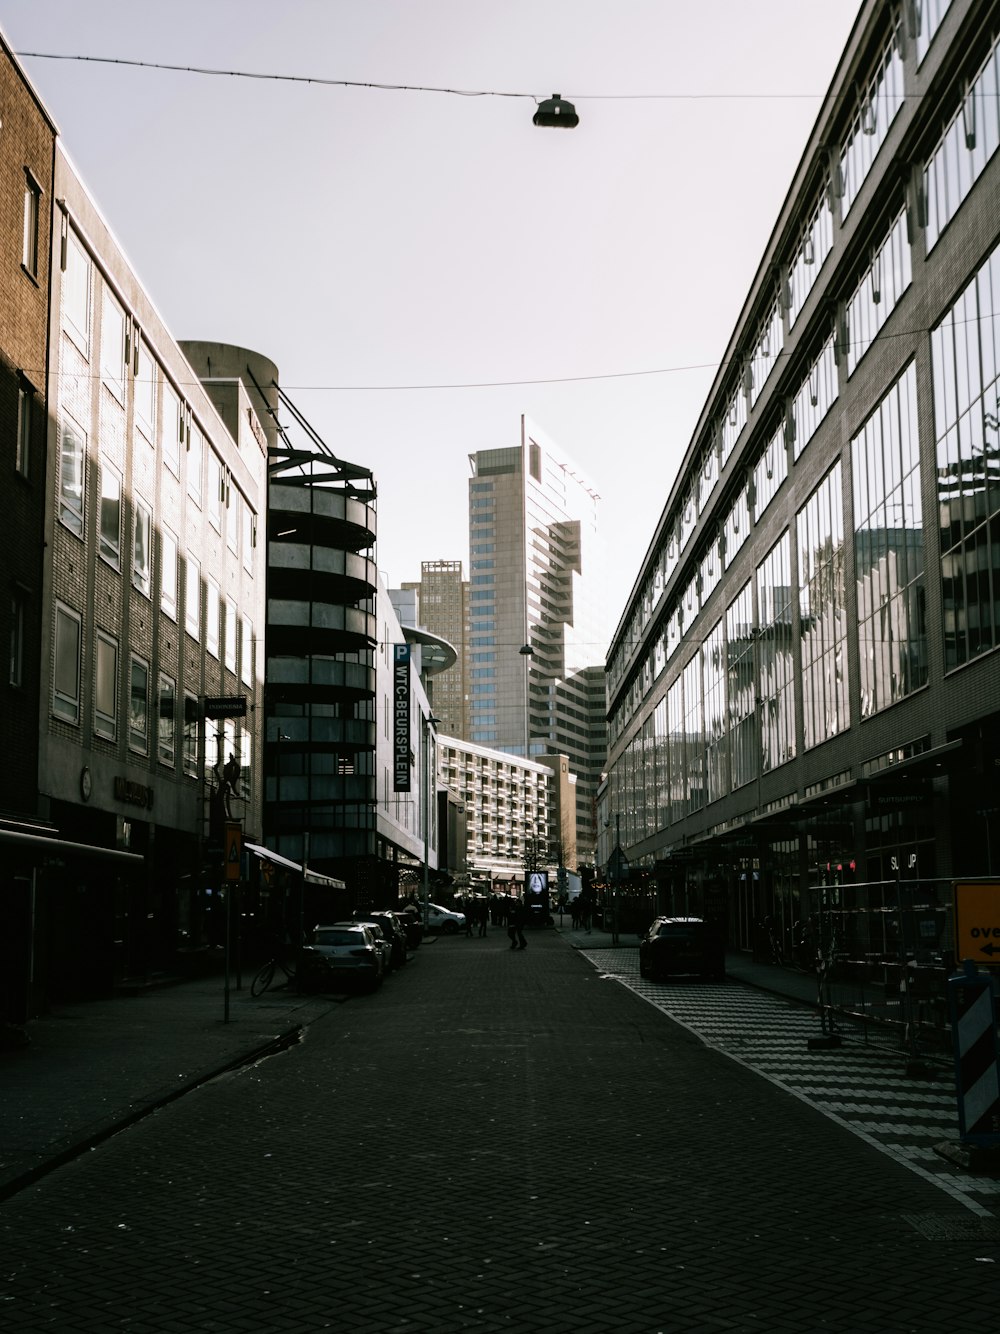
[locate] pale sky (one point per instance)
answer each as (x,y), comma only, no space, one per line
(366,240)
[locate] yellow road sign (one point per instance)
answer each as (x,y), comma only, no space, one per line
(233,850)
(977,921)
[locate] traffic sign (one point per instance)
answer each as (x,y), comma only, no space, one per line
(977,921)
(233,850)
(618,865)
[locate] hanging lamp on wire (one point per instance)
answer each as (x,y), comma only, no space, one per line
(557,113)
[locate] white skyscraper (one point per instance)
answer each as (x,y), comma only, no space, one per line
(537,582)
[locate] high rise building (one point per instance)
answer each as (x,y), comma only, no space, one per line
(442,608)
(536,633)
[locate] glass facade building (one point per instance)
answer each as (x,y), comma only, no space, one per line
(804,683)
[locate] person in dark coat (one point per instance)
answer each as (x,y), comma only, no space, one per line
(515,925)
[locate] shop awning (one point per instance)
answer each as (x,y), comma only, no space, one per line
(61,847)
(311,877)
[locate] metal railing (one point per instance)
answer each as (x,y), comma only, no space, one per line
(884,951)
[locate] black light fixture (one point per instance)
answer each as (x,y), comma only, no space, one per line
(526,651)
(556,113)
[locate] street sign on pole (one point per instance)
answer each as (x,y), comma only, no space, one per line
(977,921)
(233,853)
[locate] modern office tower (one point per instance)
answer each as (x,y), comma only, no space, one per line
(441,607)
(536,613)
(804,688)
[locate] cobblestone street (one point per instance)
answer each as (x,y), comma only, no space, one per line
(496,1141)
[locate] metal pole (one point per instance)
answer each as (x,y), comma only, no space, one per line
(424,805)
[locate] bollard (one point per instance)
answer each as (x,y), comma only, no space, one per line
(977,1056)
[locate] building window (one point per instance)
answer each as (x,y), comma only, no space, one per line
(32,216)
(212,612)
(815,396)
(145,392)
(113,346)
(66,666)
(111,515)
(195,463)
(966,366)
(76,289)
(106,687)
(233,521)
(72,455)
(741,690)
(822,615)
(165,733)
(246,653)
(966,146)
(141,554)
(231,643)
(173,428)
(192,725)
(25,421)
(16,639)
(168,573)
(879,103)
(214,486)
(192,598)
(883,282)
(138,707)
(775,659)
(249,534)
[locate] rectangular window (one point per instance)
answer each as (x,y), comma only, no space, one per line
(106,687)
(815,397)
(173,427)
(32,214)
(168,573)
(111,515)
(16,639)
(195,463)
(145,392)
(775,668)
(249,534)
(66,666)
(138,707)
(25,421)
(883,282)
(212,602)
(141,553)
(878,104)
(72,457)
(192,725)
(113,346)
(233,520)
(192,598)
(165,732)
(231,642)
(968,143)
(214,486)
(76,288)
(741,704)
(246,653)
(822,611)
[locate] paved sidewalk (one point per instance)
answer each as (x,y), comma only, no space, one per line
(92,1068)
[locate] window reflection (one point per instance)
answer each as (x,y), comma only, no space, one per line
(822,619)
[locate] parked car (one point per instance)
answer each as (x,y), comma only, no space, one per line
(392,928)
(409,919)
(444,920)
(350,953)
(379,936)
(676,946)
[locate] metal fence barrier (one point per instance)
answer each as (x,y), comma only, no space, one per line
(884,952)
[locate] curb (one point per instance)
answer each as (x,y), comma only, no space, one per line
(281,1042)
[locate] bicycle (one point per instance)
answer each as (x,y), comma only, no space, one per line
(265,976)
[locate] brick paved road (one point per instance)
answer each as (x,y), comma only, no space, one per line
(864,1087)
(496,1141)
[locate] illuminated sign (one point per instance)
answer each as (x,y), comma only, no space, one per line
(401,717)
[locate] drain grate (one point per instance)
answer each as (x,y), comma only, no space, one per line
(954,1227)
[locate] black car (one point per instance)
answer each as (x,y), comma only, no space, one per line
(679,946)
(409,919)
(392,929)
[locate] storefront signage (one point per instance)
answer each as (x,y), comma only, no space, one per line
(401,717)
(226,706)
(977,921)
(133,794)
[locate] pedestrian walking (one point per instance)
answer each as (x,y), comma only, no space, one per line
(515,925)
(484,916)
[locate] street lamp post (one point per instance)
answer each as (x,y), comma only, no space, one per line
(427,723)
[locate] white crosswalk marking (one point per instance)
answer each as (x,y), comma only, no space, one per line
(865,1089)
